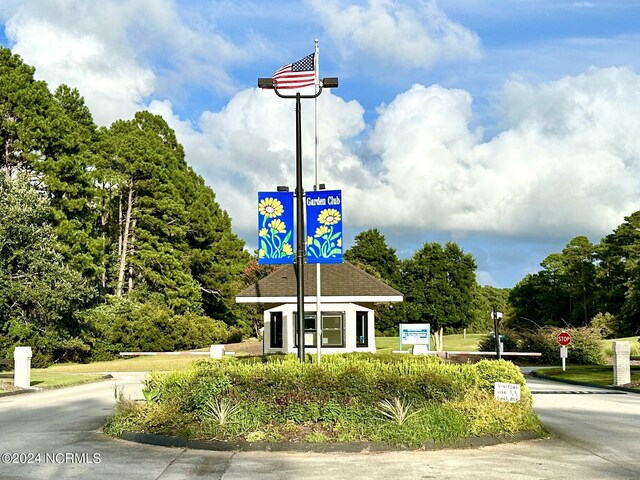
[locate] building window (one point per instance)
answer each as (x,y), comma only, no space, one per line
(362,329)
(276,330)
(332,329)
(309,329)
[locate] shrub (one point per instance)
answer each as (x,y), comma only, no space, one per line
(49,344)
(484,415)
(404,400)
(585,348)
(125,325)
(606,324)
(490,371)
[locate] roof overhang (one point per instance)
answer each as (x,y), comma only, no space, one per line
(312,299)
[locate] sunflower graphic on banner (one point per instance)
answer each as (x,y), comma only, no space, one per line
(275,227)
(324,226)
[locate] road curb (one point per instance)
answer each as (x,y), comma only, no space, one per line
(324,447)
(103,377)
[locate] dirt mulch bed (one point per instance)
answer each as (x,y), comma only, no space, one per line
(8,387)
(248,348)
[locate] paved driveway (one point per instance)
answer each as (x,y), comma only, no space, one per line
(63,427)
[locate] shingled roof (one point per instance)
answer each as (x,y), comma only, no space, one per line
(340,282)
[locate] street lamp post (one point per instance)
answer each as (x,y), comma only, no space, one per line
(330,82)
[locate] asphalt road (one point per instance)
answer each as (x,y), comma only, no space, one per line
(56,435)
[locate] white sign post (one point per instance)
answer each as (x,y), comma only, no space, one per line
(415,334)
(564,339)
(564,353)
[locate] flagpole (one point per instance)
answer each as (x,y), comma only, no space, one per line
(317,187)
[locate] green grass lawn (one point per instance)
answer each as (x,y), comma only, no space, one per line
(132,364)
(451,343)
(595,374)
(633,341)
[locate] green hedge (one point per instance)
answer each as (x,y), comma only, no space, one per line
(281,399)
(124,325)
(585,348)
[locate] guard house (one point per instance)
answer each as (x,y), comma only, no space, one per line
(348,298)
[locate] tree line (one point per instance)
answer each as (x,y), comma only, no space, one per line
(585,285)
(438,283)
(108,218)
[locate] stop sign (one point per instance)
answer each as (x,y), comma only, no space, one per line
(564,339)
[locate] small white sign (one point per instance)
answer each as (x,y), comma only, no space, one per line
(415,333)
(507,392)
(564,352)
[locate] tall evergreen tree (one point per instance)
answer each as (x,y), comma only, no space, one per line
(438,284)
(38,293)
(578,259)
(217,258)
(150,252)
(172,237)
(625,242)
(49,138)
(370,250)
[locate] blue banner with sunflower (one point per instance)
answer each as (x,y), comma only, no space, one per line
(275,227)
(324,226)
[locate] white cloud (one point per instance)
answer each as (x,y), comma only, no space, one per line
(400,34)
(250,146)
(69,43)
(106,49)
(567,161)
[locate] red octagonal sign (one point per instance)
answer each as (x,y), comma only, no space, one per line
(564,338)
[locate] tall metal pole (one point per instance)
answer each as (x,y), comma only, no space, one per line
(330,82)
(317,187)
(300,235)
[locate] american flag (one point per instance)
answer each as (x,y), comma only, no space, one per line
(297,74)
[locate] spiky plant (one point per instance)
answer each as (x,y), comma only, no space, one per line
(220,410)
(396,410)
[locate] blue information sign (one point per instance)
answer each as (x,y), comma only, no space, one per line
(275,227)
(324,226)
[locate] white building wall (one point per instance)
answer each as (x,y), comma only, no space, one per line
(288,328)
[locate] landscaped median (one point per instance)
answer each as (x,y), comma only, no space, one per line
(400,401)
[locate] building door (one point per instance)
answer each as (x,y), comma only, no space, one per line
(362,329)
(276,330)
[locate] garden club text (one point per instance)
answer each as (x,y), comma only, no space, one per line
(321,201)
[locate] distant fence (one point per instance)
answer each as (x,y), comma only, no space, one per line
(216,351)
(446,355)
(140,354)
(503,354)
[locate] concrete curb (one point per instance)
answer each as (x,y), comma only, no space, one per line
(584,384)
(325,447)
(17,392)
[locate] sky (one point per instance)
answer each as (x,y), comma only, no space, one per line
(507,126)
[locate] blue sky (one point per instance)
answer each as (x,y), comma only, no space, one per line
(508,126)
